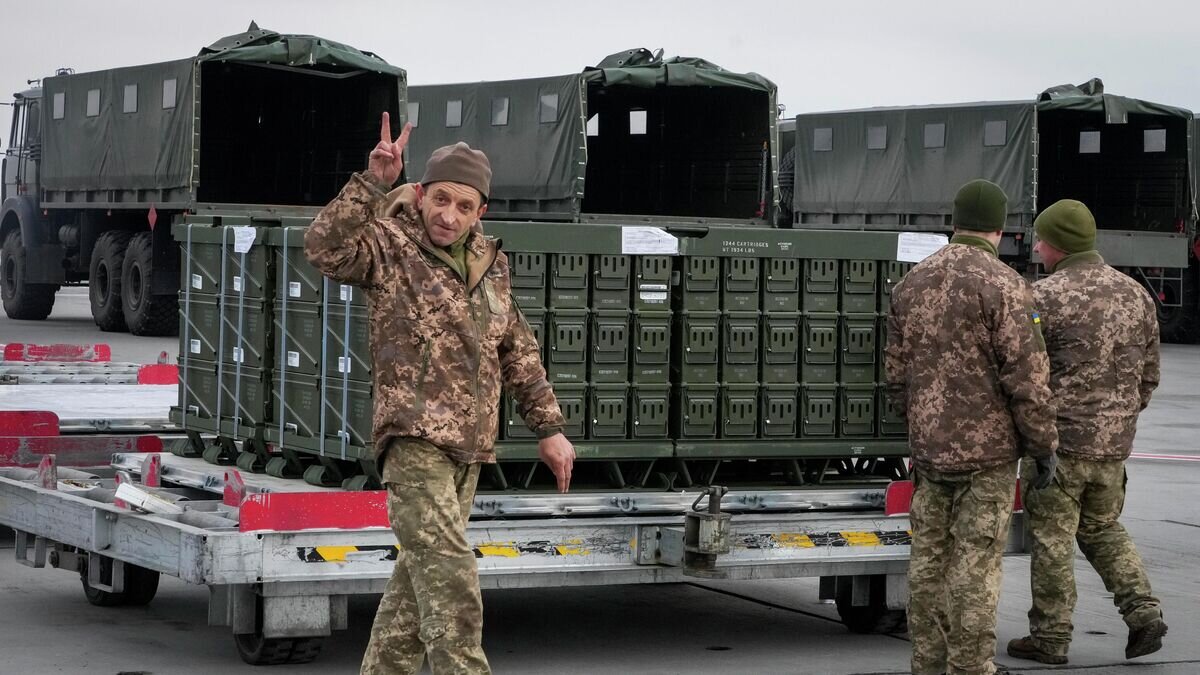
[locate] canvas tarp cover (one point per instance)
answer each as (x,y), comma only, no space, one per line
(836,173)
(537,150)
(152,148)
(638,68)
(1090,97)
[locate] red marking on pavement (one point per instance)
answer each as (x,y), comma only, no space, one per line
(1171,458)
(314,511)
(19,351)
(158,373)
(28,423)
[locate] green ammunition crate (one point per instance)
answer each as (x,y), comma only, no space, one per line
(297,280)
(881,338)
(348,343)
(820,286)
(701,284)
(695,412)
(650,406)
(739,411)
(858,349)
(244,397)
(891,273)
(739,347)
(651,335)
(611,282)
(891,422)
(199,332)
(243,337)
(198,389)
(527,275)
(609,354)
(348,410)
(781,285)
(698,340)
(653,283)
(818,410)
(213,265)
(857,411)
(740,290)
(567,355)
(536,318)
(779,408)
(609,411)
(572,400)
(781,347)
(298,338)
(859,288)
(569,280)
(819,349)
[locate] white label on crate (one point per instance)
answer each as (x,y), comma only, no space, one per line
(343,364)
(653,297)
(197,281)
(243,239)
(293,289)
(293,359)
(347,293)
(194,346)
(652,292)
(237,354)
(917,246)
(237,284)
(648,241)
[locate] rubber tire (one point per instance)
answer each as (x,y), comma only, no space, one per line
(787,186)
(145,313)
(141,585)
(1181,325)
(104,280)
(257,650)
(875,617)
(22,301)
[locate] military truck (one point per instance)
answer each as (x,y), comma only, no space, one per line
(96,161)
(1127,159)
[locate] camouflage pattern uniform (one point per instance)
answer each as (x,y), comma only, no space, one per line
(442,345)
(1102,338)
(965,359)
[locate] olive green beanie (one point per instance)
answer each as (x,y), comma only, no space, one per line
(459,163)
(981,206)
(1068,226)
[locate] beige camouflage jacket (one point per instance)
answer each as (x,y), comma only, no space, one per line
(966,361)
(1102,337)
(441,345)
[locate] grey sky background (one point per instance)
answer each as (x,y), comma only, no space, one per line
(823,55)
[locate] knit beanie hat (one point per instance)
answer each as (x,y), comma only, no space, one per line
(458,163)
(980,205)
(1067,225)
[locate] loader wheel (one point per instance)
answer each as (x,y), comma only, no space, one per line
(141,585)
(262,651)
(145,313)
(874,617)
(104,280)
(22,300)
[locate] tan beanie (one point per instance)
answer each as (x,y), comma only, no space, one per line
(458,163)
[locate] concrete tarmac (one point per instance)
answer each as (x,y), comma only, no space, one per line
(46,625)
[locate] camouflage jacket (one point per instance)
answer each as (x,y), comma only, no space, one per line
(1102,338)
(965,360)
(441,345)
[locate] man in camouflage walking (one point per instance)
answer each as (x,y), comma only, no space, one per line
(965,359)
(445,336)
(1102,338)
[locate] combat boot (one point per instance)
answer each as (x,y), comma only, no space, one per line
(1026,648)
(1145,640)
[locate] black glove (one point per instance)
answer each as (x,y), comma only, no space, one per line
(1045,472)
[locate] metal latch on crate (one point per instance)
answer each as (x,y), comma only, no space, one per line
(695,547)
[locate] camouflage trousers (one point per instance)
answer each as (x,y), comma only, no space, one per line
(1082,505)
(959,528)
(432,603)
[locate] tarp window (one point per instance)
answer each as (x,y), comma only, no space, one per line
(414,114)
(168,98)
(129,104)
(637,122)
(877,138)
(1089,142)
(60,105)
(935,135)
(995,133)
(453,113)
(549,108)
(93,103)
(593,126)
(822,139)
(500,111)
(1154,140)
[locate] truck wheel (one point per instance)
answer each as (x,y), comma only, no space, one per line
(141,585)
(260,651)
(1181,325)
(145,313)
(22,300)
(874,617)
(104,280)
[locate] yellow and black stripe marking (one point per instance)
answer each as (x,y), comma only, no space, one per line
(506,549)
(826,539)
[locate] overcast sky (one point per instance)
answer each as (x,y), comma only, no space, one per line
(824,55)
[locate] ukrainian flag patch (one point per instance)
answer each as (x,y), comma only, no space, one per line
(1037,318)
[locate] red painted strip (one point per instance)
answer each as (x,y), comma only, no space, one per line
(72,450)
(287,511)
(1175,458)
(897,499)
(19,351)
(28,423)
(158,373)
